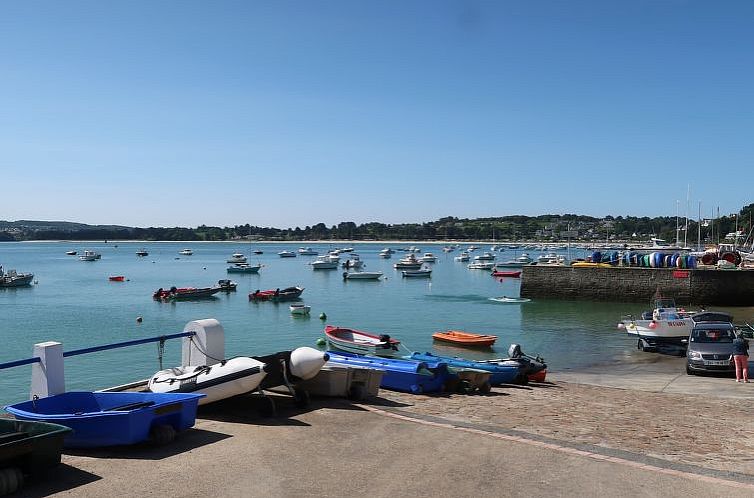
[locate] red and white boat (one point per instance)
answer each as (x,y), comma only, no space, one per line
(356,341)
(507,273)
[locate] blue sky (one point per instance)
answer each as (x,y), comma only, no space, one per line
(276,113)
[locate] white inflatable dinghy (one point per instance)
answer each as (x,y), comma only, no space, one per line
(222,380)
(506,299)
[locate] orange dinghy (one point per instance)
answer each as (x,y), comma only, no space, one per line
(465,338)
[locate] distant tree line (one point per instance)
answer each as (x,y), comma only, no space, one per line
(504,228)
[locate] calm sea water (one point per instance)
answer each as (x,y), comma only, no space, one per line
(74,302)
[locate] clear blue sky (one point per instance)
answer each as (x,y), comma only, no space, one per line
(276,113)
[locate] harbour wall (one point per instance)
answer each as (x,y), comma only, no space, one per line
(628,284)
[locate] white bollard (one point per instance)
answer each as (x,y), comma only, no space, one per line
(47,376)
(207,347)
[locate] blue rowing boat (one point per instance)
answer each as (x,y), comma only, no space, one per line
(113,418)
(500,374)
(400,375)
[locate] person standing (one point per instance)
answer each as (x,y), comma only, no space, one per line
(741,358)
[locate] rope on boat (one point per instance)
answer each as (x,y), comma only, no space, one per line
(191,339)
(160,350)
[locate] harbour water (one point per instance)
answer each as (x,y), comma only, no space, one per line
(73,302)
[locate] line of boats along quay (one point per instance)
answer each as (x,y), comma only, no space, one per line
(216,365)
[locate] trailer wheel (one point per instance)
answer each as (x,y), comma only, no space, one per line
(162,434)
(640,345)
(11,479)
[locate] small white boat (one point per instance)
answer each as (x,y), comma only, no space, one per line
(222,380)
(362,275)
(421,273)
(237,258)
(356,341)
(353,262)
(481,265)
(186,252)
(519,262)
(307,251)
(428,258)
(408,263)
(300,309)
(487,256)
(142,252)
(463,257)
(90,256)
(71,253)
(510,300)
(324,263)
(386,254)
(287,254)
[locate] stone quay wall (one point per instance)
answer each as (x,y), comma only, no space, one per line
(627,284)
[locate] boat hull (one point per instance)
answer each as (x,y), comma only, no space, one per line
(660,331)
(109,419)
(465,339)
(34,447)
(410,376)
(358,342)
(20,280)
(232,377)
(500,373)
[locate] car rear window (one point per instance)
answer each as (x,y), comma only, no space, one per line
(712,335)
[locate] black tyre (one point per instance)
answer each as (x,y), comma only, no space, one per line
(162,434)
(640,345)
(689,371)
(11,480)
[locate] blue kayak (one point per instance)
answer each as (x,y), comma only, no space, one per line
(400,375)
(112,418)
(500,374)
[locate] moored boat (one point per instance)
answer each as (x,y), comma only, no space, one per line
(465,338)
(307,251)
(362,275)
(226,285)
(186,252)
(487,256)
(324,263)
(142,252)
(400,374)
(507,273)
(299,309)
(510,300)
(71,253)
(227,378)
(237,257)
(179,293)
(11,278)
(518,262)
(481,265)
(112,418)
(90,256)
(408,263)
(287,294)
(287,254)
(359,342)
(419,273)
(116,278)
(244,268)
(463,257)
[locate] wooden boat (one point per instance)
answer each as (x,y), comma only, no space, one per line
(507,273)
(287,294)
(113,418)
(465,338)
(410,376)
(501,374)
(116,278)
(180,293)
(13,279)
(227,285)
(510,300)
(222,380)
(422,273)
(356,341)
(244,268)
(299,309)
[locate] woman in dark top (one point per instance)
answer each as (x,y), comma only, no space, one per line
(741,358)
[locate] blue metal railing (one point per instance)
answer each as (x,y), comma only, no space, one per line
(125,344)
(18,363)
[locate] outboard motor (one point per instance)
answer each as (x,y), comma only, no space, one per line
(514,351)
(385,338)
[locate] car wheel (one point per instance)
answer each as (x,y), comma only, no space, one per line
(689,371)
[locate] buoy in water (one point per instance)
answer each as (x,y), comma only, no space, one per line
(321,341)
(322,316)
(139,319)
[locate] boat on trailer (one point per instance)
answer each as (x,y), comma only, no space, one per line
(664,325)
(113,418)
(500,374)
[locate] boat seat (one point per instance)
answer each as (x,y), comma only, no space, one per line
(12,436)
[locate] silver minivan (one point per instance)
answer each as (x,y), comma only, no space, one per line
(710,348)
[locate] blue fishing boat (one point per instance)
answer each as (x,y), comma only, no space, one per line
(400,375)
(113,418)
(500,374)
